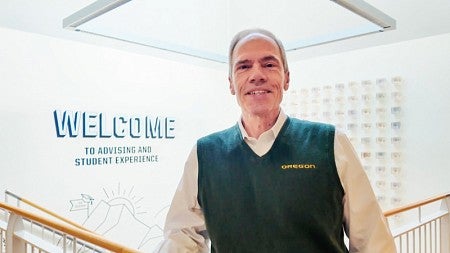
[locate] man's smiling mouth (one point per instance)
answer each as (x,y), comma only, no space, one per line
(257,92)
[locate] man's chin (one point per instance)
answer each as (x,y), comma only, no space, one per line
(262,111)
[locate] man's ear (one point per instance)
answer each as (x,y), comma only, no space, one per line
(233,92)
(287,79)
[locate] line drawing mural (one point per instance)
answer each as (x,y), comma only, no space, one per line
(117,217)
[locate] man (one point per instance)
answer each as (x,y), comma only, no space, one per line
(272,183)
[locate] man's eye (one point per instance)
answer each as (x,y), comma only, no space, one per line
(270,65)
(243,67)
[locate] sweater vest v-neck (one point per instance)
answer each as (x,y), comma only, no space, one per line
(288,200)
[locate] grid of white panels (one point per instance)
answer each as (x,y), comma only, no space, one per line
(370,113)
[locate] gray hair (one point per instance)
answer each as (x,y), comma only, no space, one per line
(242,34)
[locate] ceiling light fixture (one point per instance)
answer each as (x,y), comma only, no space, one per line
(377,22)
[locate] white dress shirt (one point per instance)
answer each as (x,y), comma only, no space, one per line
(364,222)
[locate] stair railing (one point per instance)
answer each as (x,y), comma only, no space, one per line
(427,226)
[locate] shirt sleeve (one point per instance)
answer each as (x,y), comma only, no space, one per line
(185,230)
(364,222)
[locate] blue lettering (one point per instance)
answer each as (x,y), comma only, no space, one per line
(90,125)
(135,127)
(104,132)
(119,127)
(153,128)
(97,125)
(170,128)
(66,123)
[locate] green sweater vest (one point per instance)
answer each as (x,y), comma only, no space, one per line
(289,200)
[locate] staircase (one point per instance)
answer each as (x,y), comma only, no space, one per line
(422,227)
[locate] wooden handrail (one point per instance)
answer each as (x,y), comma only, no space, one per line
(45,210)
(91,237)
(70,229)
(415,205)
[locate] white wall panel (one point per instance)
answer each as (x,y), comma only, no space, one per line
(424,66)
(39,75)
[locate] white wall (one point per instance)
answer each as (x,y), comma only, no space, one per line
(40,74)
(424,64)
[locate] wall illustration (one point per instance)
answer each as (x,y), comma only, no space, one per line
(118,215)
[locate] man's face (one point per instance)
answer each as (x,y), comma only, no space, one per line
(258,77)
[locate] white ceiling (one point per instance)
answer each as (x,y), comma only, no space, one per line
(415,19)
(208,25)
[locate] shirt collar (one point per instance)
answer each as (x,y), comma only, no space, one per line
(274,131)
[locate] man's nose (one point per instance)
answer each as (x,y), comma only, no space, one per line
(257,75)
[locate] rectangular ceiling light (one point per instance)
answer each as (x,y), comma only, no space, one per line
(368,12)
(379,22)
(202,28)
(90,12)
